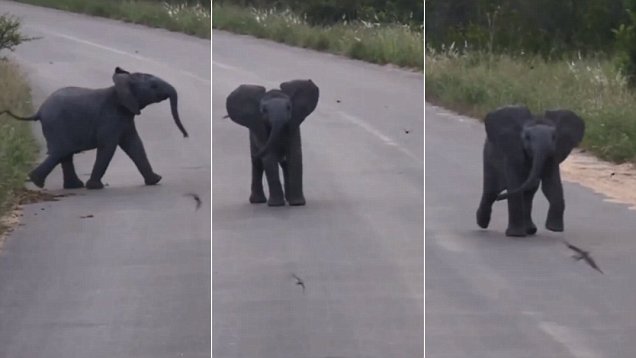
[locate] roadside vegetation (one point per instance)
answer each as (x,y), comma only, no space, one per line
(17,146)
(579,55)
(378,32)
(190,17)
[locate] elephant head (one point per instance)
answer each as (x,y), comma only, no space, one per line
(137,90)
(274,111)
(518,134)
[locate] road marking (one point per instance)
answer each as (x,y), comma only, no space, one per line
(370,129)
(226,67)
(573,342)
(449,242)
(124,53)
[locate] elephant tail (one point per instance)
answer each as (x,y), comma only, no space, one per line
(35,117)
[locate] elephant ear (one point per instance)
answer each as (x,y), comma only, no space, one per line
(570,129)
(125,96)
(504,125)
(243,105)
(304,95)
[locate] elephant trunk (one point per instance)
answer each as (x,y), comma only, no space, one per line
(274,137)
(539,158)
(172,94)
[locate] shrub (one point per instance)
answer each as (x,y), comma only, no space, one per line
(10,36)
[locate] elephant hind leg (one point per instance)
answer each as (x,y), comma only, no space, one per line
(39,174)
(71,180)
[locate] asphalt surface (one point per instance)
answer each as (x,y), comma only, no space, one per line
(133,280)
(490,296)
(357,244)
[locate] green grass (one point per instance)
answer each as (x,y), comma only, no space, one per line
(193,20)
(17,146)
(382,44)
(476,83)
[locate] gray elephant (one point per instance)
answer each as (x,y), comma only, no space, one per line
(522,151)
(273,118)
(76,119)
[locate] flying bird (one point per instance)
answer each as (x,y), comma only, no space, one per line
(582,255)
(196,198)
(299,282)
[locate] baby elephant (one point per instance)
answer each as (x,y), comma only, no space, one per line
(273,118)
(521,152)
(76,119)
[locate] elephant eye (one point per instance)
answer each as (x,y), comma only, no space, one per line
(154,86)
(264,110)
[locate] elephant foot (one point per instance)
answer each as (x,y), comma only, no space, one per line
(531,229)
(152,179)
(554,225)
(36,180)
(483,218)
(296,200)
(73,184)
(516,231)
(94,184)
(258,198)
(274,201)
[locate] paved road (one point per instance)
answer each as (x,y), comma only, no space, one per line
(358,244)
(489,296)
(134,280)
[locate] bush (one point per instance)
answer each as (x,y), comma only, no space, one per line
(552,29)
(10,36)
(626,47)
(331,12)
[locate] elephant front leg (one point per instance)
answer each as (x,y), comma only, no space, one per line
(528,197)
(276,196)
(39,174)
(516,205)
(257,195)
(553,191)
(485,208)
(132,145)
(104,156)
(71,180)
(294,171)
(516,216)
(488,196)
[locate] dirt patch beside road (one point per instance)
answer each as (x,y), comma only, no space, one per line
(616,181)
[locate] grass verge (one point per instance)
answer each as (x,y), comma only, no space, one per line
(476,83)
(17,145)
(192,20)
(382,44)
